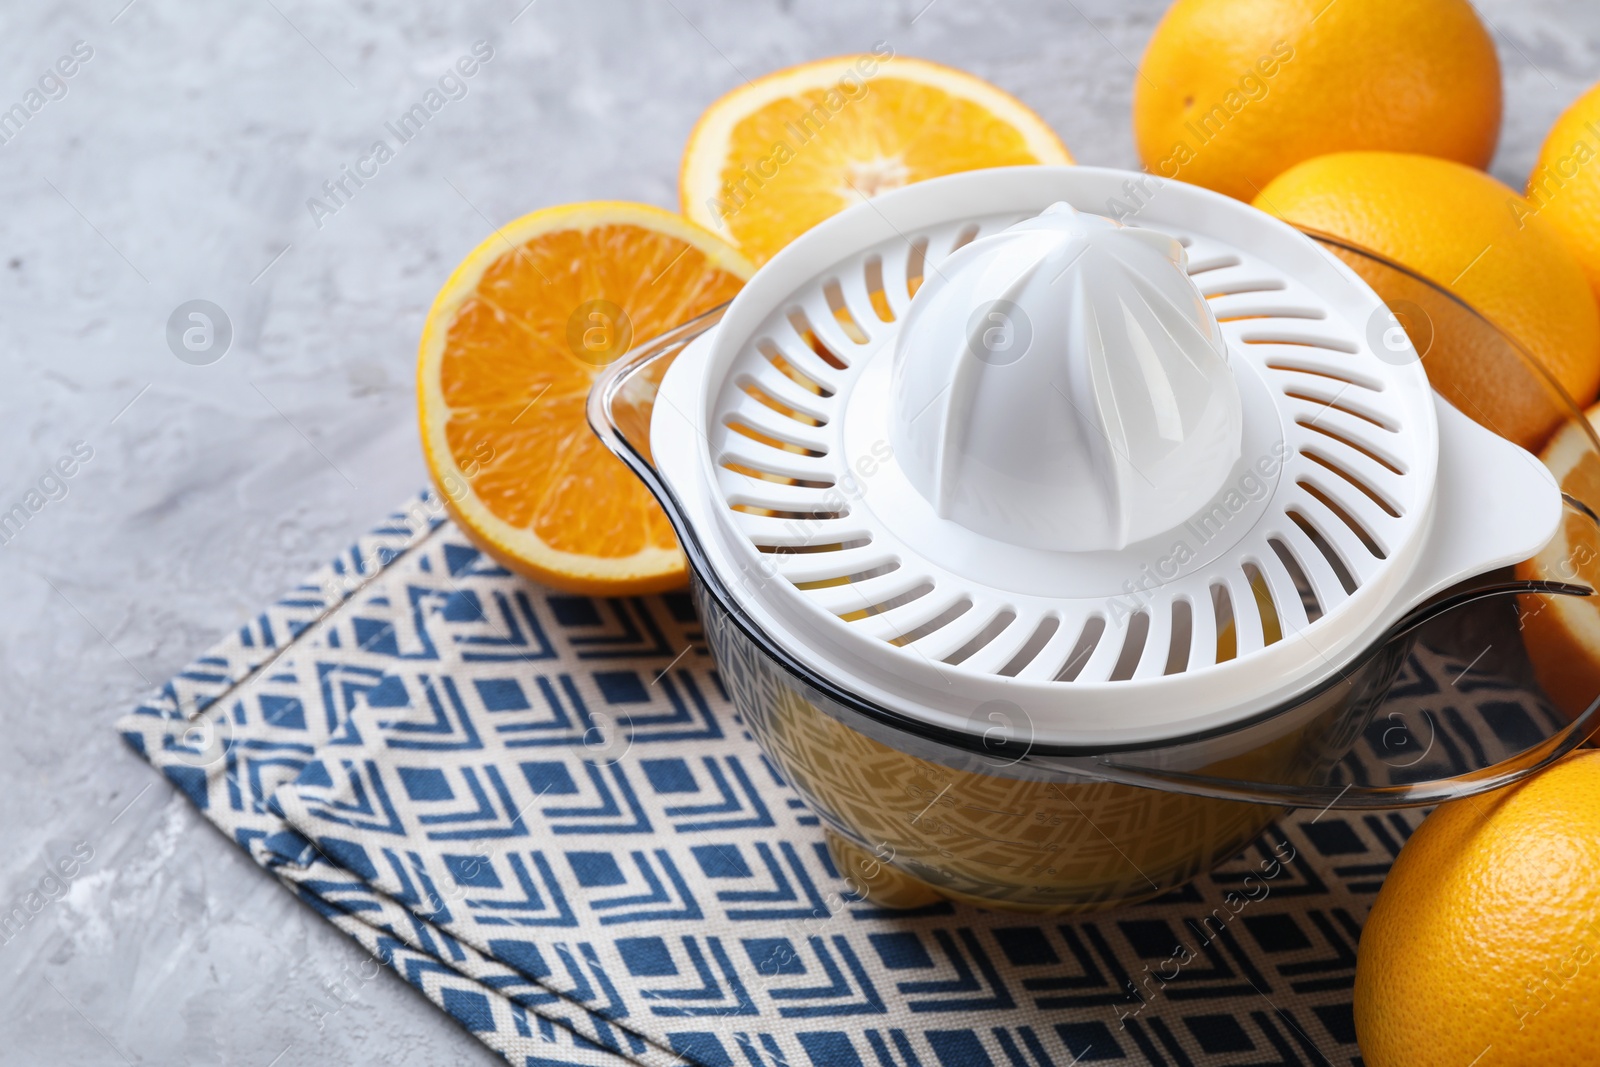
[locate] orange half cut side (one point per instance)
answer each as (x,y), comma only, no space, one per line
(773,158)
(514,340)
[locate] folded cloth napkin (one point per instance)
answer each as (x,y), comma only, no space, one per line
(541,811)
(227,732)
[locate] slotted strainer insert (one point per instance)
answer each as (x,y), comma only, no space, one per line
(974,440)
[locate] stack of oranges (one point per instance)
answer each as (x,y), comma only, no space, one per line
(1368,120)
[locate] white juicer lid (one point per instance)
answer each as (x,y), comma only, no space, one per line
(1171,485)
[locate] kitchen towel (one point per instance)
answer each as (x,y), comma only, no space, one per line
(541,811)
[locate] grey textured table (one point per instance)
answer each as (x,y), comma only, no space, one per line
(177,166)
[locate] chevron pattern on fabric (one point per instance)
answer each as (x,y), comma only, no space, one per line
(544,812)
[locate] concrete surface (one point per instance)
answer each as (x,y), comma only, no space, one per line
(177,166)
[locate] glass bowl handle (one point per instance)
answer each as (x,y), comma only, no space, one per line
(1352,795)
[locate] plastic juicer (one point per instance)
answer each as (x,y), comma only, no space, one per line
(1052,547)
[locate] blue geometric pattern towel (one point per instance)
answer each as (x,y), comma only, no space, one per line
(541,811)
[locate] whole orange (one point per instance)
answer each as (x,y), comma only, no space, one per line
(1483,947)
(1231,93)
(1463,230)
(1564,187)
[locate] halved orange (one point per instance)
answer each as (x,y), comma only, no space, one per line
(514,340)
(775,157)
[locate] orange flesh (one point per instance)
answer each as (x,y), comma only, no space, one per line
(516,387)
(898,133)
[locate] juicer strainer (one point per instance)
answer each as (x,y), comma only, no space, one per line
(1341,494)
(982,487)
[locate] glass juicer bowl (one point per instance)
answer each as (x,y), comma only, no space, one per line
(1446,703)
